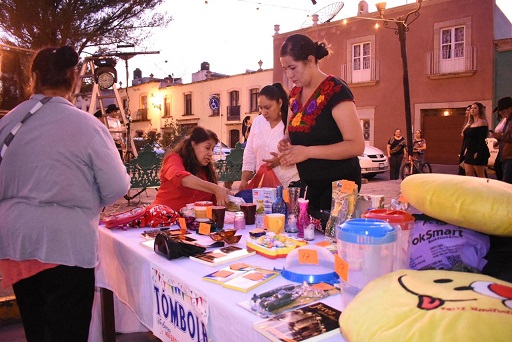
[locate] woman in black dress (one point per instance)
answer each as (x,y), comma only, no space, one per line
(468,121)
(477,153)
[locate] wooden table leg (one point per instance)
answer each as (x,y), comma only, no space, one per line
(107,315)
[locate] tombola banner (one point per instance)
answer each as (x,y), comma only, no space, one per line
(180,313)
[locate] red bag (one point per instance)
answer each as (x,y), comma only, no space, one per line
(158,215)
(264,178)
(123,218)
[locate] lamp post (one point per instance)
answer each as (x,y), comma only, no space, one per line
(402,26)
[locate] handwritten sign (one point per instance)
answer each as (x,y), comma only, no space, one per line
(204,228)
(347,186)
(308,256)
(341,267)
(324,243)
(183,224)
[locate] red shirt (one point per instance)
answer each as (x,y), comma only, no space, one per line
(171,193)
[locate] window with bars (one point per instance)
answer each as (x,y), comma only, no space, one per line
(361,56)
(452,42)
(167,107)
(234,98)
(254,99)
(361,62)
(188,104)
(144,102)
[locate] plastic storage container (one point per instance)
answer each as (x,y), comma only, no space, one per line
(404,223)
(321,271)
(368,246)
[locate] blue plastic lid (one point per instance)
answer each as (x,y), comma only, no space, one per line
(365,231)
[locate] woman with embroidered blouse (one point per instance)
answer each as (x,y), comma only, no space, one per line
(187,174)
(324,133)
(266,132)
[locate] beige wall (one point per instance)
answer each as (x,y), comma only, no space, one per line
(201,92)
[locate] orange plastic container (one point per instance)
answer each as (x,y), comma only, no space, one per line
(403,222)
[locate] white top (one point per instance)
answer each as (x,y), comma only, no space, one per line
(61,168)
(262,140)
(500,126)
(114,125)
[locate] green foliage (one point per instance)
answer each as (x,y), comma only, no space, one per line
(172,134)
(34,24)
(152,136)
(97,25)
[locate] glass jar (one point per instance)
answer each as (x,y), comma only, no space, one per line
(239,222)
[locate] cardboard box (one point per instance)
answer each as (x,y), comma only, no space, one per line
(264,197)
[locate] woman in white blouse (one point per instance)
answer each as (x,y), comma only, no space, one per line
(266,131)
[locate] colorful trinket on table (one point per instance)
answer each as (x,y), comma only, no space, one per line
(273,245)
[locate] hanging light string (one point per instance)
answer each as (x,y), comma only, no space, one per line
(274,5)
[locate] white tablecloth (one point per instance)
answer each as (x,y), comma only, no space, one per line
(125,266)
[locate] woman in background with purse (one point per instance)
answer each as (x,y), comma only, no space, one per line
(397,149)
(59,169)
(266,131)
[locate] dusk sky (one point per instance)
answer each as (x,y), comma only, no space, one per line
(231,35)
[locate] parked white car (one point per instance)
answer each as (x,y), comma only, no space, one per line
(373,161)
(220,153)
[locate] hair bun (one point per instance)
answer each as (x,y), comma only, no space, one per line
(66,57)
(321,50)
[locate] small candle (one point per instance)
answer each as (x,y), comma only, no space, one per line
(309,232)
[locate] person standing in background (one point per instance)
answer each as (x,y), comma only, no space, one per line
(325,135)
(266,132)
(60,168)
(396,148)
(419,146)
(498,167)
(246,129)
(115,127)
(477,153)
(468,118)
(505,138)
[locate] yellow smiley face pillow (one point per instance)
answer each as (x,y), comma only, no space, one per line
(432,305)
(479,204)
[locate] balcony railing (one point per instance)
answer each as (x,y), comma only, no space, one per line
(369,73)
(459,61)
(233,113)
